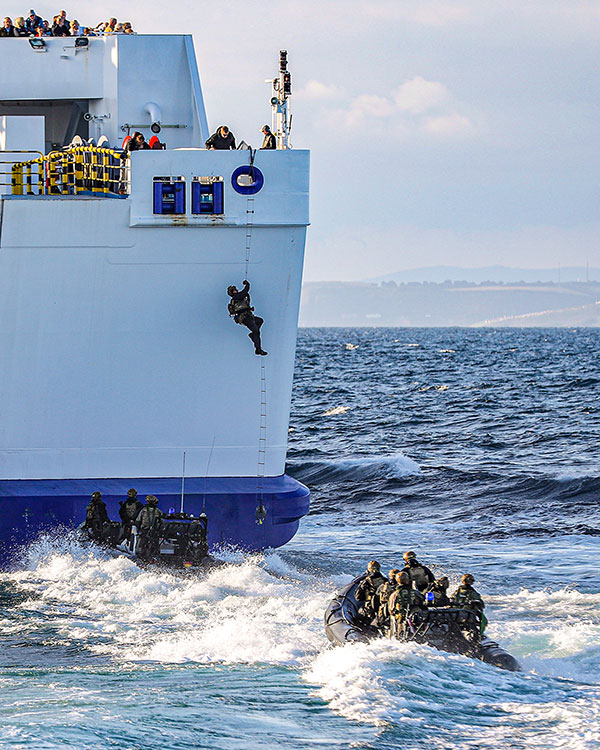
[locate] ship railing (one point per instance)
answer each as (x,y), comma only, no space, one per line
(31,177)
(82,170)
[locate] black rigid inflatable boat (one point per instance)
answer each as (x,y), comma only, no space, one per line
(179,541)
(445,628)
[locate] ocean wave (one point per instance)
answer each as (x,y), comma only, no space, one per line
(397,466)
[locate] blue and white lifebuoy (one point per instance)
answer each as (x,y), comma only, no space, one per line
(257,180)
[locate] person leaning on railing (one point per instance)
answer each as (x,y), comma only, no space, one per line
(7,28)
(20,29)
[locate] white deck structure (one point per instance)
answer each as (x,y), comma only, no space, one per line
(117,353)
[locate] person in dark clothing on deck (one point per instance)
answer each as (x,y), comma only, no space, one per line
(8,29)
(222,140)
(137,142)
(240,309)
(97,521)
(60,27)
(269,139)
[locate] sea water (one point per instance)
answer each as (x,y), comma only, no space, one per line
(478,449)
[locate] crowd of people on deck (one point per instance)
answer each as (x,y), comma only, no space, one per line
(35,26)
(388,603)
(146,519)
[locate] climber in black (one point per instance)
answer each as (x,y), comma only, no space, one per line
(240,309)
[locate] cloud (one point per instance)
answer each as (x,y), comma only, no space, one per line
(449,125)
(418,95)
(417,106)
(319,91)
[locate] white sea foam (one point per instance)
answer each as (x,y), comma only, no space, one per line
(260,610)
(334,411)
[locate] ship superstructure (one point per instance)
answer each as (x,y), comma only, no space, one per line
(119,364)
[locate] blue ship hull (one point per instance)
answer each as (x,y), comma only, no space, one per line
(31,507)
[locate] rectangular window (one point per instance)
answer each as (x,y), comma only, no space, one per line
(169,195)
(207,195)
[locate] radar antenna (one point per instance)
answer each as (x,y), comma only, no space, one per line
(281,120)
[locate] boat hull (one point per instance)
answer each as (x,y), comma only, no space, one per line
(29,508)
(343,625)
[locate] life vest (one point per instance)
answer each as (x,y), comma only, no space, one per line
(367,588)
(149,518)
(467,597)
(240,306)
(418,576)
(403,601)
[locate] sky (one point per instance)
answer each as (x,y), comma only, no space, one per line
(441,133)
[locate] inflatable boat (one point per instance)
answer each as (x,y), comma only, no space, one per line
(445,628)
(179,541)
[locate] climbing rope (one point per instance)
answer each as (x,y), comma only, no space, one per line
(249,216)
(261,513)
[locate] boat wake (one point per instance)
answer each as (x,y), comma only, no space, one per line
(264,612)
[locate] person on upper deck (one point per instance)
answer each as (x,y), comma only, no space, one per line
(20,29)
(137,142)
(60,27)
(44,29)
(127,28)
(111,26)
(33,22)
(269,139)
(8,29)
(222,140)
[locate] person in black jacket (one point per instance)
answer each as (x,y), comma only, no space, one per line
(269,140)
(240,309)
(60,27)
(222,140)
(137,142)
(8,29)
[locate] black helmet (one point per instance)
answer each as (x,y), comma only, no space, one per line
(96,495)
(373,567)
(402,578)
(468,579)
(151,500)
(392,574)
(410,555)
(132,493)
(231,289)
(443,582)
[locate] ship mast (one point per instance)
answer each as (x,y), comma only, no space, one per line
(281,119)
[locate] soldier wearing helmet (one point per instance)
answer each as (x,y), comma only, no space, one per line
(466,597)
(96,518)
(403,604)
(128,512)
(439,590)
(367,588)
(382,596)
(420,575)
(148,524)
(243,313)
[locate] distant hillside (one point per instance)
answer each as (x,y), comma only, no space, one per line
(439,274)
(450,304)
